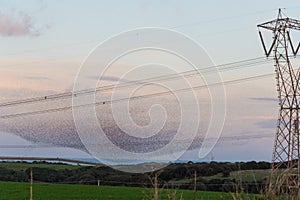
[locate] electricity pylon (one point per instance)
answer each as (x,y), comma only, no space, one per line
(285,173)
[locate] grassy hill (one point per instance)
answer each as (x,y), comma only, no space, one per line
(244,175)
(18,166)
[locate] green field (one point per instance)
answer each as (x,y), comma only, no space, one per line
(18,166)
(244,175)
(20,191)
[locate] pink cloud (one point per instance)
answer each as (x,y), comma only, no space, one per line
(259,117)
(17,26)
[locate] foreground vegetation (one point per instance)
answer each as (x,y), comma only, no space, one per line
(13,190)
(219,177)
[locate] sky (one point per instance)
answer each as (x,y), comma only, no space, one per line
(44,43)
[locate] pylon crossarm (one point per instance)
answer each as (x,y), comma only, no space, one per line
(279,24)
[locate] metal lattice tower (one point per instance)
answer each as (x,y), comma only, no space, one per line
(285,174)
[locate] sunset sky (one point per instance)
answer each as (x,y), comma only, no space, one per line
(43,44)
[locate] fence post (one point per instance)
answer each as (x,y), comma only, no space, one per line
(31,182)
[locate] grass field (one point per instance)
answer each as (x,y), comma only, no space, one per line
(244,175)
(20,191)
(18,166)
(252,176)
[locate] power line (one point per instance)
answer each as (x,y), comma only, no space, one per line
(222,67)
(223,18)
(135,97)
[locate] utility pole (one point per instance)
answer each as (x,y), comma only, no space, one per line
(285,173)
(31,182)
(156,186)
(195,184)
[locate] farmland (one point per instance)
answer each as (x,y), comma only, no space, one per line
(63,181)
(13,190)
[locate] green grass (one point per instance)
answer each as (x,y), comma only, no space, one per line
(23,166)
(250,175)
(243,175)
(20,191)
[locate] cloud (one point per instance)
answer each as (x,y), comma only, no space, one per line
(117,79)
(269,124)
(21,25)
(108,78)
(264,99)
(257,117)
(38,78)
